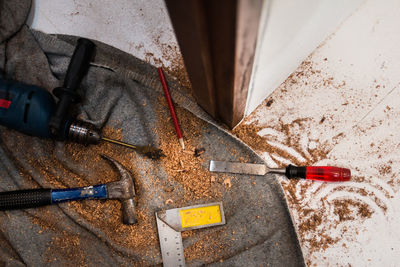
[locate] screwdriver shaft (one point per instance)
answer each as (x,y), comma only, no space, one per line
(277,170)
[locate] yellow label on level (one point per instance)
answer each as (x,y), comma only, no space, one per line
(200,216)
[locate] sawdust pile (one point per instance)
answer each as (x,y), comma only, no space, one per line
(182,167)
(188,181)
(66,243)
(185,167)
(104,217)
(208,248)
(248,134)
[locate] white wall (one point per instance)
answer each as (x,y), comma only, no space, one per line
(289,31)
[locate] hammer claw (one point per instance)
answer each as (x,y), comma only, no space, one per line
(123,190)
(121,169)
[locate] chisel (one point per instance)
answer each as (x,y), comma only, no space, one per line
(318,173)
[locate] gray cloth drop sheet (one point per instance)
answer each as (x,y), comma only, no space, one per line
(122,92)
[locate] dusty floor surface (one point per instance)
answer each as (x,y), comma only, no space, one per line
(341,107)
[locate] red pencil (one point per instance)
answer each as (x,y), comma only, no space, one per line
(171,107)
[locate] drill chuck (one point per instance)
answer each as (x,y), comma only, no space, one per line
(84,133)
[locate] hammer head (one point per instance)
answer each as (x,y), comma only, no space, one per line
(124,191)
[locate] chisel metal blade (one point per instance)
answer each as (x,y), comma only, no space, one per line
(238,167)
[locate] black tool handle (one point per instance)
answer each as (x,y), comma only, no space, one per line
(77,69)
(295,172)
(23,199)
(79,64)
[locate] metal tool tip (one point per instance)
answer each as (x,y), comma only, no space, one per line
(154,154)
(182,143)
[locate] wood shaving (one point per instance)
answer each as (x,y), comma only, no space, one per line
(185,168)
(227,182)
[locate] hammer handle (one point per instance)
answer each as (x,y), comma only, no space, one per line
(23,199)
(80,193)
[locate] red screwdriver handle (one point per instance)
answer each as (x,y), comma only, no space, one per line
(328,174)
(319,173)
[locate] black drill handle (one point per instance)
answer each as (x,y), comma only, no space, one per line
(23,199)
(77,69)
(79,64)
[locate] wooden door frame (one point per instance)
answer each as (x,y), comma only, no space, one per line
(218,40)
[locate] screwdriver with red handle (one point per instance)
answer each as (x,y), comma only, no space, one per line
(318,173)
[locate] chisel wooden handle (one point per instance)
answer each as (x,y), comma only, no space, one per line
(23,199)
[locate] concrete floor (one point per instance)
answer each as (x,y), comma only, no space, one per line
(341,107)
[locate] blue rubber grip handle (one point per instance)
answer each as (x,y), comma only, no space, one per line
(88,192)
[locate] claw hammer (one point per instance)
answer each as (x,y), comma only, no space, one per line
(123,190)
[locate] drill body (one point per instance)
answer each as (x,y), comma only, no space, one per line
(33,110)
(26,108)
(29,109)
